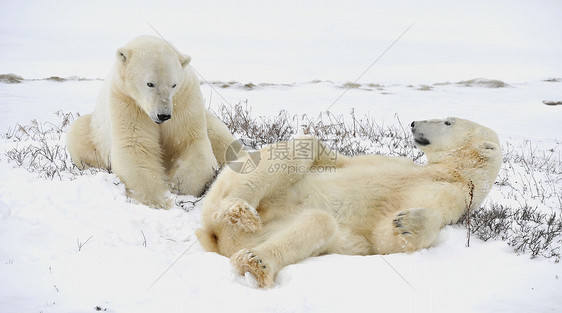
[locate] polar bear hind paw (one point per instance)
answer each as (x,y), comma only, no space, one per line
(243,215)
(246,261)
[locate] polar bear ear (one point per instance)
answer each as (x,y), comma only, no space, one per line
(123,54)
(184,59)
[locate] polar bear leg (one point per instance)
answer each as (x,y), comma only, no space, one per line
(308,234)
(194,168)
(147,185)
(272,174)
(80,145)
(136,158)
(234,197)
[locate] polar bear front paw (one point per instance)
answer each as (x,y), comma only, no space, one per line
(155,201)
(417,228)
(408,222)
(241,214)
(246,261)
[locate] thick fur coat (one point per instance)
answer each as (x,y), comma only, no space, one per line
(150,125)
(287,210)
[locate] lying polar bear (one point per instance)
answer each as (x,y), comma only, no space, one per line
(368,204)
(150,125)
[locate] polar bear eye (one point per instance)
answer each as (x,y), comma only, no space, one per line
(174,86)
(447,123)
(150,85)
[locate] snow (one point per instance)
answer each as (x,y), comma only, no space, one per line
(74,245)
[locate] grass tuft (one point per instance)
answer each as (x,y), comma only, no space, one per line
(10,79)
(527,214)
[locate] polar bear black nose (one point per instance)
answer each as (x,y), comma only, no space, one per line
(164,117)
(413,124)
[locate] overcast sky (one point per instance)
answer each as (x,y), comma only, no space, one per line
(293,41)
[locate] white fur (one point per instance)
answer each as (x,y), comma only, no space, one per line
(129,132)
(369,204)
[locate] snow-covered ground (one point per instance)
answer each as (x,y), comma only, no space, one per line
(77,244)
(74,245)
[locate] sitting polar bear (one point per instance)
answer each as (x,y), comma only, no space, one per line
(291,208)
(150,125)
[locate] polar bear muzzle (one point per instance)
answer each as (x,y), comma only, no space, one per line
(161,108)
(419,138)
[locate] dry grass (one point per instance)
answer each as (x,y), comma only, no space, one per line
(483,82)
(526,214)
(10,79)
(40,149)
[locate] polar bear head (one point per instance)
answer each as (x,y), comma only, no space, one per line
(151,71)
(463,148)
(440,139)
